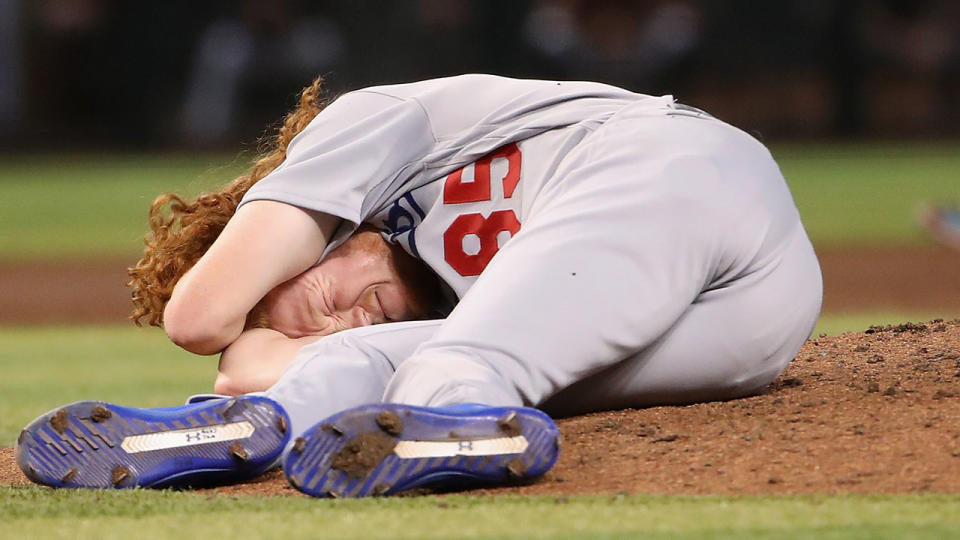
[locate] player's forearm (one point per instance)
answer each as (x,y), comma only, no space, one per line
(191,325)
(264,244)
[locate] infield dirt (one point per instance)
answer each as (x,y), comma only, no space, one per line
(870,412)
(922,278)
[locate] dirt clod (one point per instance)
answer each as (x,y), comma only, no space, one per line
(897,328)
(100,413)
(281,424)
(390,422)
(59,421)
(363,453)
(789,382)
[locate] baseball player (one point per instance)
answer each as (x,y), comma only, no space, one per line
(942,222)
(599,249)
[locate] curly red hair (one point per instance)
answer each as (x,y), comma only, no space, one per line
(182,231)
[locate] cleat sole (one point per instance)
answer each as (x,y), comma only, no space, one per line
(99,445)
(382,449)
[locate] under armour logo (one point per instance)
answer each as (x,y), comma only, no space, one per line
(197,436)
(465,445)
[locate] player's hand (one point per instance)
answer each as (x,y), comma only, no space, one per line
(305,306)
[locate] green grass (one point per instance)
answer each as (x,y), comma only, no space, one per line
(859,194)
(46,367)
(82,205)
(146,514)
(57,205)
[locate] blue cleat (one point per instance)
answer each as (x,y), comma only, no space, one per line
(385,448)
(91,444)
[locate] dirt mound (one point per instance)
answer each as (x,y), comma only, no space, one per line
(871,412)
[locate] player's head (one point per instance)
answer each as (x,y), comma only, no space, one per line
(364,281)
(182,231)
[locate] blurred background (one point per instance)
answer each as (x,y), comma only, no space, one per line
(104,104)
(177,74)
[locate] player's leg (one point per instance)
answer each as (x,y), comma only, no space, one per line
(730,343)
(358,446)
(584,285)
(345,370)
(607,265)
(646,216)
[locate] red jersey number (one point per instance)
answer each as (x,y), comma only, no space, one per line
(456,191)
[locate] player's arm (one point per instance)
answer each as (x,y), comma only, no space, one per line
(259,358)
(264,244)
(256,360)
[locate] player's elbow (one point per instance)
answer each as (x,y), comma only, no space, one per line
(195,338)
(190,329)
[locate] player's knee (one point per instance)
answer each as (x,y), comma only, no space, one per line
(440,380)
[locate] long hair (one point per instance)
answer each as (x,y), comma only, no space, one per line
(182,231)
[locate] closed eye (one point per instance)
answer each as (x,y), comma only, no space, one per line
(376,295)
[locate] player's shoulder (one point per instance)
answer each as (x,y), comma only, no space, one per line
(463,81)
(485,85)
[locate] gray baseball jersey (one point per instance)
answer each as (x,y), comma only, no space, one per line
(437,164)
(606,248)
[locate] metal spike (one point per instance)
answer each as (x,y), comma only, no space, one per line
(71,474)
(119,474)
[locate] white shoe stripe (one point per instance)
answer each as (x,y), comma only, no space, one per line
(475,447)
(187,437)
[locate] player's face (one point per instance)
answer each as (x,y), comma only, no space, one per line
(357,284)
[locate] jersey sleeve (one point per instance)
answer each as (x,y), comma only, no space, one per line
(349,155)
(370,145)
